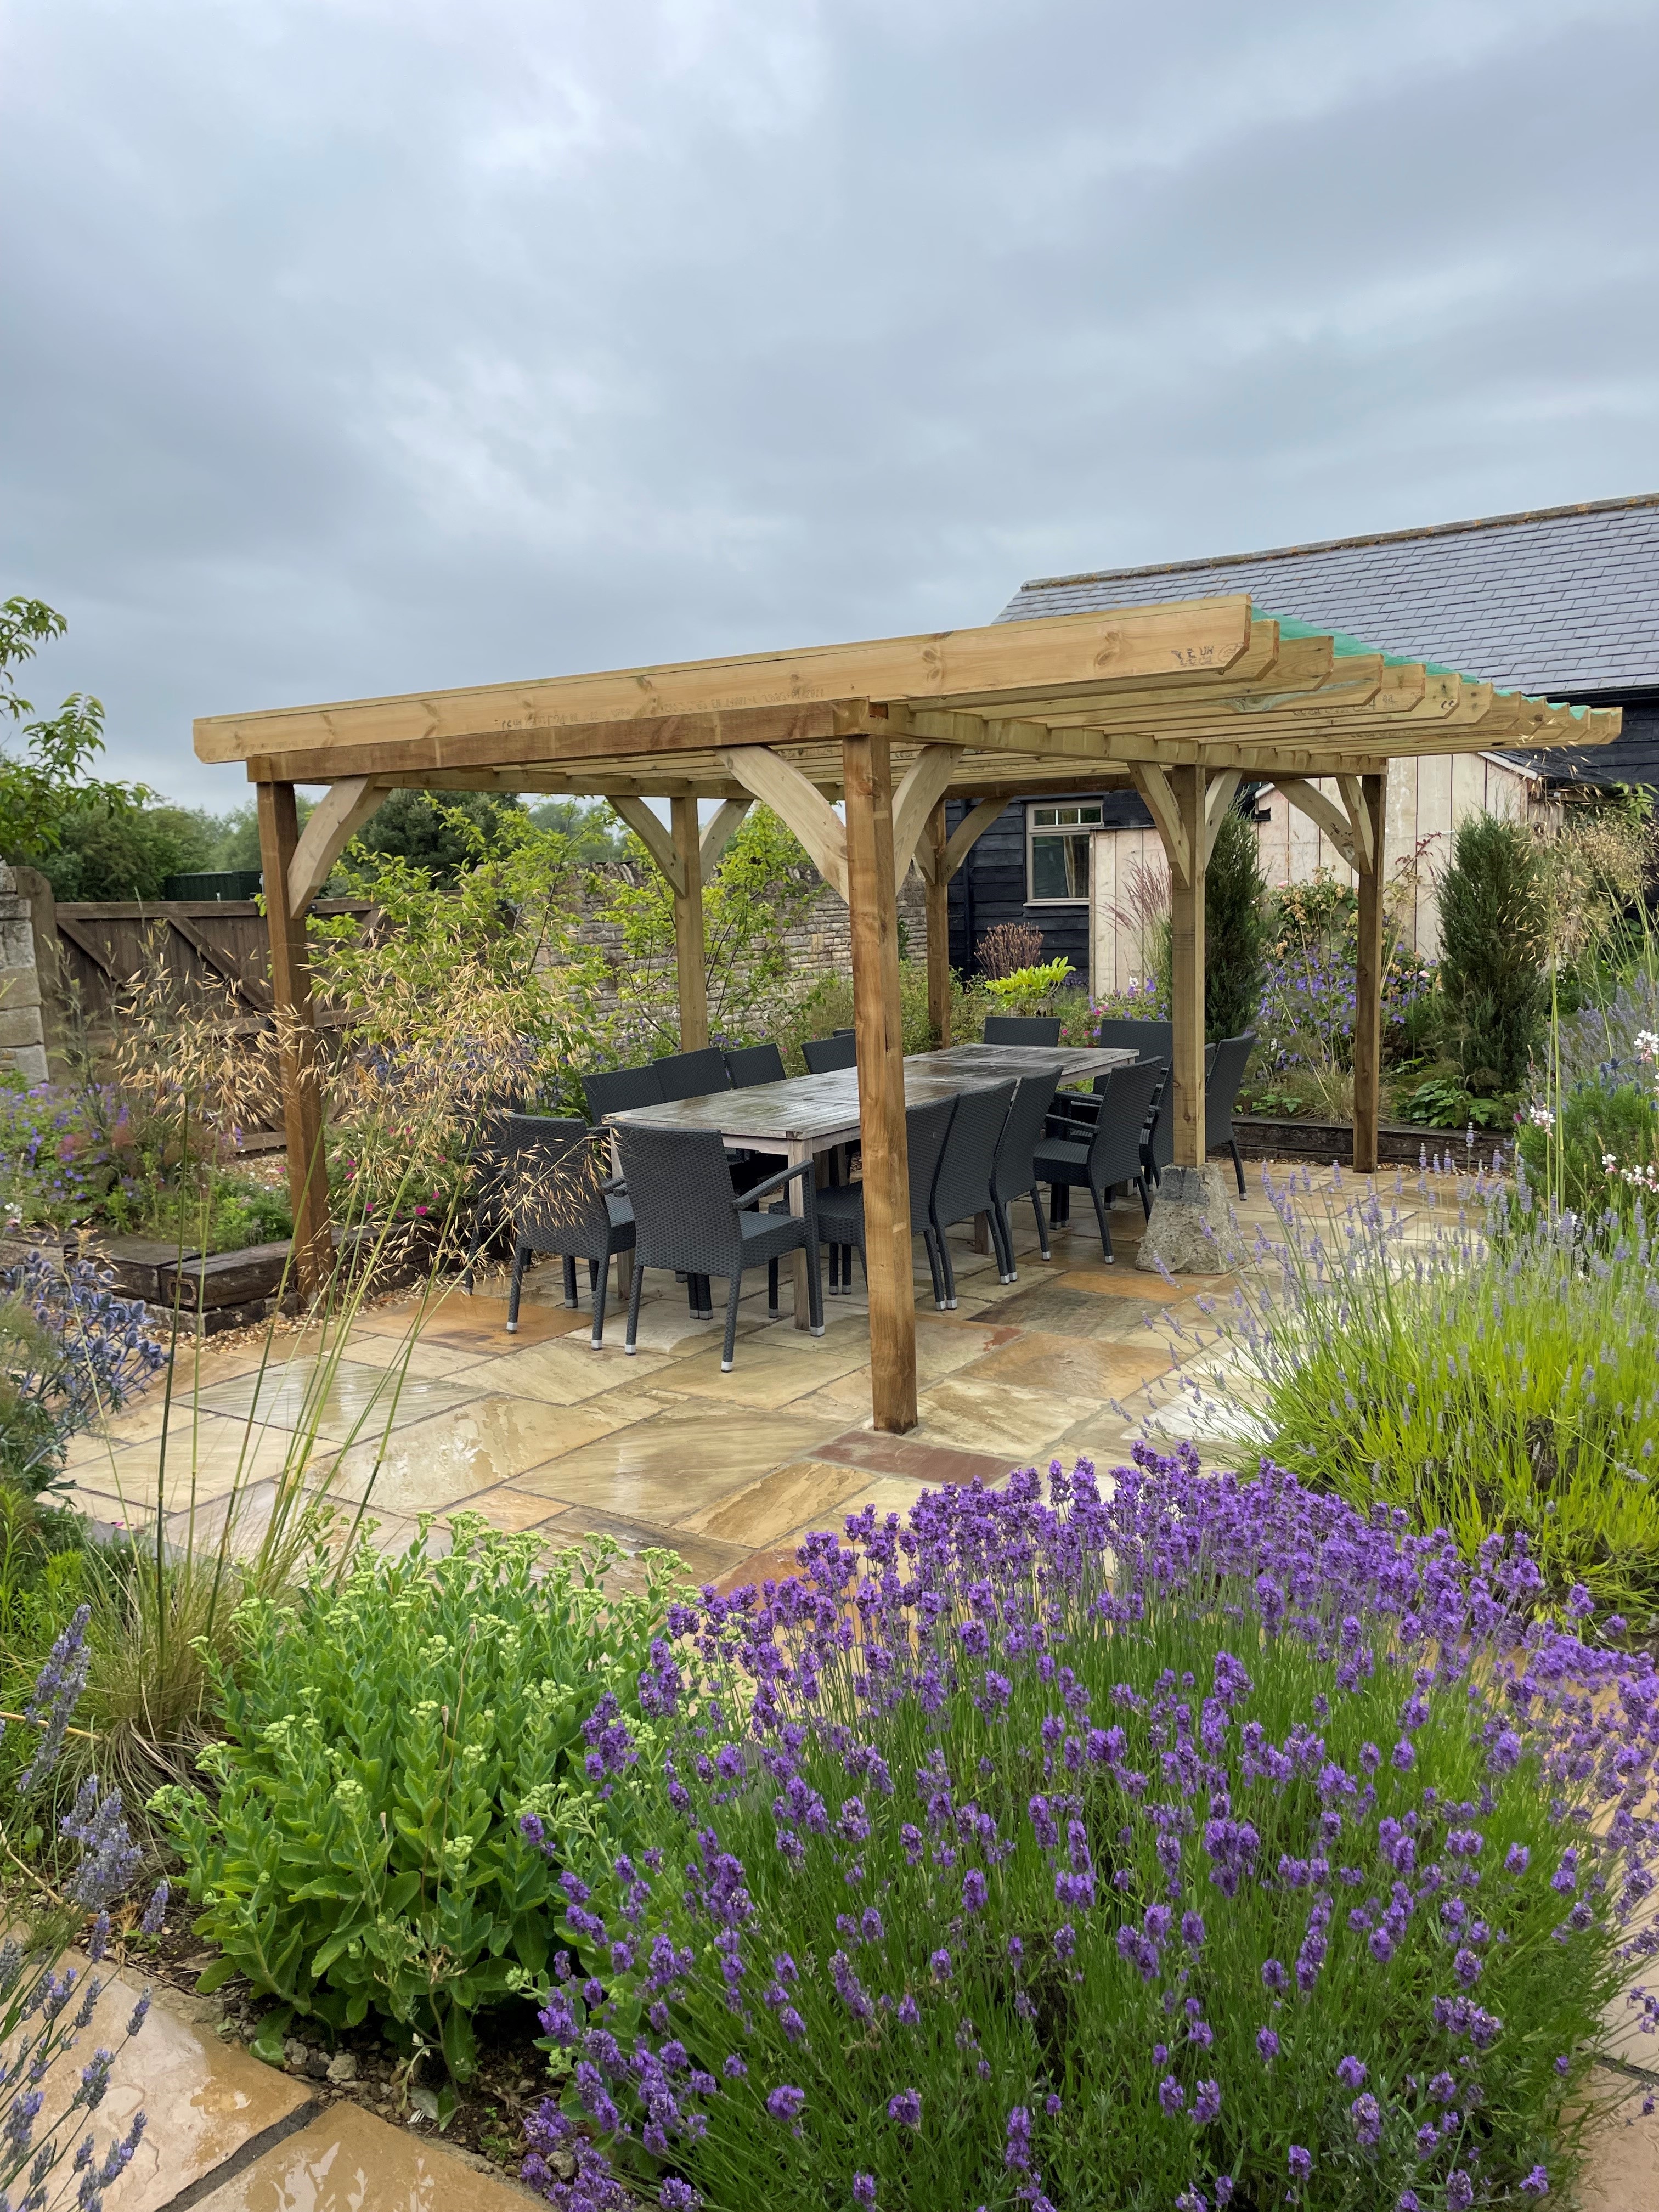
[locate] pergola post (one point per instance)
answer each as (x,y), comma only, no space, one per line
(1176,801)
(296,1040)
(934,842)
(872,908)
(1369,816)
(691,956)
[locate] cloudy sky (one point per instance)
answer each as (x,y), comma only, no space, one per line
(352,346)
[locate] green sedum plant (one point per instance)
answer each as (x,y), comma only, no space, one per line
(382,1738)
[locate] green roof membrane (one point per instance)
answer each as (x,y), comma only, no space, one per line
(1345,645)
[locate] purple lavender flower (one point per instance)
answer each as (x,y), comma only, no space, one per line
(1266,2043)
(1536,2183)
(784,2103)
(1300,2162)
(864,2189)
(1170,2094)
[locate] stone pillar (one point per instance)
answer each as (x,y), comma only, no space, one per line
(22,1038)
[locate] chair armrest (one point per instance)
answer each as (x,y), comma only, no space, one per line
(615,1188)
(1076,1106)
(775,1183)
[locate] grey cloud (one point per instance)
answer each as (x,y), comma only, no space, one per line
(358,347)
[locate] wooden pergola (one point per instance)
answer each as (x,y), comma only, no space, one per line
(1183,700)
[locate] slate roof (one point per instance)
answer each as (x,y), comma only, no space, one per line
(1563,602)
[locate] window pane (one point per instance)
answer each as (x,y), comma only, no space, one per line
(1059,866)
(1040,815)
(1049,868)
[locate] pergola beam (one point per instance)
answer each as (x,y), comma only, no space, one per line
(800,805)
(332,823)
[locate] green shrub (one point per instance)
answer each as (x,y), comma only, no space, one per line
(1497,1379)
(1566,1153)
(382,1738)
(1027,990)
(1234,930)
(1494,944)
(828,1004)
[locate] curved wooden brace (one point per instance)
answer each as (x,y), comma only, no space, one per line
(1155,787)
(926,782)
(1324,814)
(796,802)
(332,823)
(721,831)
(1216,800)
(654,835)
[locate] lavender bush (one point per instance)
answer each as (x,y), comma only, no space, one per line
(1207,1845)
(46,2007)
(75,1353)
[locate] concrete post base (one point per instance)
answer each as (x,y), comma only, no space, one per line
(1191,1231)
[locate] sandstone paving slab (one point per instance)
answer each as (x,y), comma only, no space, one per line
(1621,2173)
(808,1493)
(203,2100)
(435,1463)
(338,1399)
(347,2161)
(663,1469)
(997,1418)
(569,1369)
(1090,1367)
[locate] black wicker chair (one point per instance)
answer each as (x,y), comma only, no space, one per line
(1151,1040)
(1223,1073)
(750,1064)
(961,1188)
(841,1210)
(828,1056)
(485,1157)
(688,1217)
(616,1089)
(692,1074)
(1022,1029)
(1013,1174)
(1111,1152)
(556,1195)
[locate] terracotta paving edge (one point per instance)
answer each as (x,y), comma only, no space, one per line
(247,2154)
(923,1463)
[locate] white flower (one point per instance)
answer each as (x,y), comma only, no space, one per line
(1647,1045)
(1608,1162)
(1541,1117)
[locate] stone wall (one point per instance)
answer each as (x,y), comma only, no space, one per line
(820,943)
(22,1039)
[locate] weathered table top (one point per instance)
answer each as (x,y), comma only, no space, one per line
(812,1112)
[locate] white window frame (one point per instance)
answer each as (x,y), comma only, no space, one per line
(1084,818)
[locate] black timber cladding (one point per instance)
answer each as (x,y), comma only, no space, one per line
(990,885)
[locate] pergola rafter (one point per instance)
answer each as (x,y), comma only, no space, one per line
(857,747)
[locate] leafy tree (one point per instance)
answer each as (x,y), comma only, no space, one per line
(48,782)
(430,830)
(1236,913)
(592,833)
(107,852)
(1494,946)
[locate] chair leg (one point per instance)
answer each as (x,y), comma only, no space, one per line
(601,1285)
(931,1248)
(733,1296)
(1146,1196)
(633,1290)
(835,1271)
(815,1292)
(947,1267)
(1238,1164)
(1102,1217)
(1002,1237)
(1041,1224)
(773,1311)
(521,1254)
(570,1298)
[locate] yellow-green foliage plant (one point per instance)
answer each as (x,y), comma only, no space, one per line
(385,1733)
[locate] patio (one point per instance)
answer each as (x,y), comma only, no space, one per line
(542,1432)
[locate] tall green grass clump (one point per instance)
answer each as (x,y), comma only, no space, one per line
(1500,1378)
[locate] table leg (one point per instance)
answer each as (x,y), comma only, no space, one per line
(798,1152)
(981,1232)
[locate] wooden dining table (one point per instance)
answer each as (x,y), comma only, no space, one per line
(808,1116)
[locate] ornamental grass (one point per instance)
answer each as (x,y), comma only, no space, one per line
(1196,1842)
